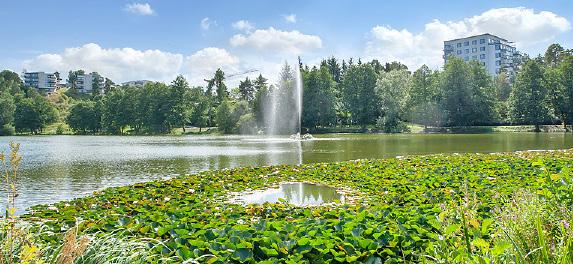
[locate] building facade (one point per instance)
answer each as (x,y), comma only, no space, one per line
(86,83)
(495,53)
(42,81)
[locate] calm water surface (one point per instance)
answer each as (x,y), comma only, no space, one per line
(58,168)
(297,193)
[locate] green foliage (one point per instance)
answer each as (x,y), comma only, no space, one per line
(33,114)
(529,99)
(318,107)
(224,118)
(392,89)
(85,116)
(359,96)
(404,210)
(423,98)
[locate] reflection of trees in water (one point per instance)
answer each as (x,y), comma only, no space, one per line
(303,193)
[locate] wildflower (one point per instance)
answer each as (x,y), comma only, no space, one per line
(191,191)
(565,223)
(166,199)
(240,221)
(53,208)
(135,202)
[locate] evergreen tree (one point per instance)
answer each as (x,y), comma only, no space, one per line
(247,90)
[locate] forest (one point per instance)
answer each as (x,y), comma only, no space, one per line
(367,96)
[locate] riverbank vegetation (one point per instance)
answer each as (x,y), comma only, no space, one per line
(470,208)
(369,95)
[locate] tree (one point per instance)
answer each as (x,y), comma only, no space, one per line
(7,108)
(392,89)
(455,92)
(108,85)
(529,97)
(119,110)
(247,90)
(318,99)
(10,82)
(73,80)
(84,117)
(200,104)
(178,103)
(422,102)
(502,86)
(483,110)
(218,82)
(359,97)
(33,114)
(553,55)
(97,84)
(560,79)
(224,118)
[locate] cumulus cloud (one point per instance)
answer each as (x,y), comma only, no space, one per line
(203,64)
(522,25)
(243,25)
(140,9)
(273,40)
(290,18)
(206,23)
(118,64)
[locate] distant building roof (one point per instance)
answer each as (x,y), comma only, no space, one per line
(485,34)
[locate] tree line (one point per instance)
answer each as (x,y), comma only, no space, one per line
(368,95)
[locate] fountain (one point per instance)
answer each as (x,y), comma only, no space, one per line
(282,99)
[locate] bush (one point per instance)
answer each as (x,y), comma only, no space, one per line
(7,130)
(391,125)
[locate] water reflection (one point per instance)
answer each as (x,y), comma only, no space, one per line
(297,193)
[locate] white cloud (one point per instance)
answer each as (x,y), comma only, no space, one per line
(290,18)
(118,64)
(243,25)
(203,64)
(206,23)
(140,8)
(273,40)
(522,25)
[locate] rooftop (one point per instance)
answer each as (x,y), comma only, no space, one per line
(480,35)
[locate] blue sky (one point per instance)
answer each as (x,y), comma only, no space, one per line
(159,39)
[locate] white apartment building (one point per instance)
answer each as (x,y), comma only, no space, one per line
(42,81)
(85,82)
(495,53)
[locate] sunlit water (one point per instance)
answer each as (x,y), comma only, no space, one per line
(58,168)
(296,193)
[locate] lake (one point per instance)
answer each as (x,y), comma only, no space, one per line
(59,168)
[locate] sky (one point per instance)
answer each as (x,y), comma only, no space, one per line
(160,39)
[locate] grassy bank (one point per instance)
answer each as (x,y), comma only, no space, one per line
(438,208)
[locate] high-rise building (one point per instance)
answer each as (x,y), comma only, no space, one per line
(85,83)
(42,81)
(495,53)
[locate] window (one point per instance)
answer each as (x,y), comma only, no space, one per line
(474,50)
(498,55)
(482,48)
(467,43)
(482,56)
(497,47)
(497,62)
(459,45)
(474,42)
(466,58)
(459,52)
(467,51)
(481,41)
(483,63)
(474,57)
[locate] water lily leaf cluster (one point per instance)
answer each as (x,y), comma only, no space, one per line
(398,216)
